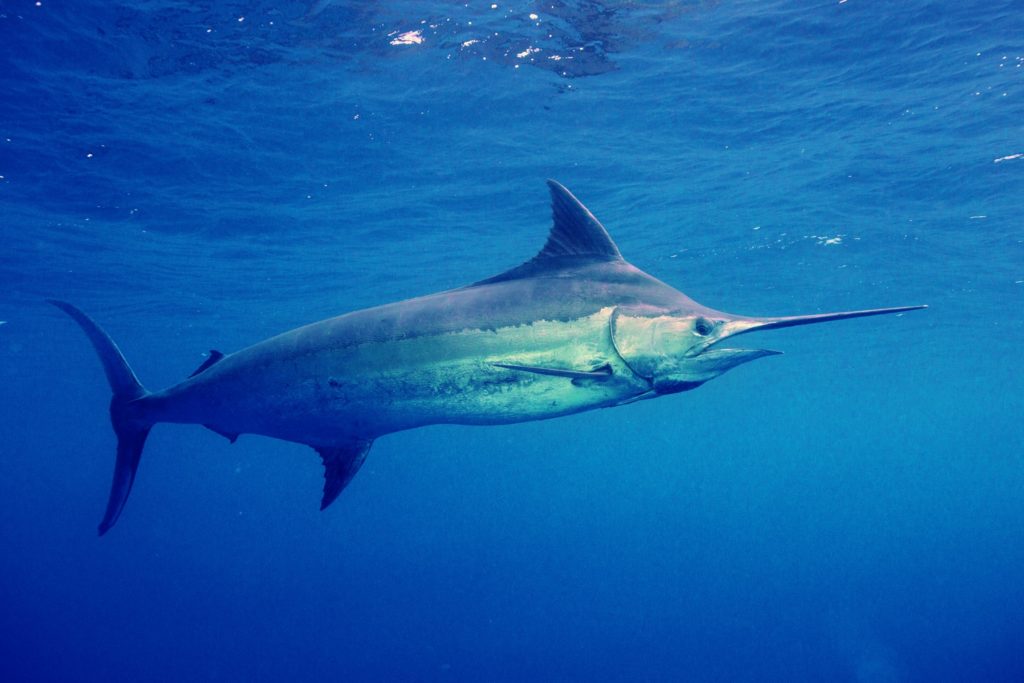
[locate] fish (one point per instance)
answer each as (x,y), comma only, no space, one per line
(575,328)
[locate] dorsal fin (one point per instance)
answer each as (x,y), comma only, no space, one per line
(576,235)
(215,356)
(575,231)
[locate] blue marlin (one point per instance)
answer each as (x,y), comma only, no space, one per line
(573,329)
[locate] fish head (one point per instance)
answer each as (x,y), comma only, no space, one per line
(682,349)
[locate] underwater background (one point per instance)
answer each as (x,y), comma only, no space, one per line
(204,175)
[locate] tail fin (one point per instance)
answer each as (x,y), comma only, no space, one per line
(130,430)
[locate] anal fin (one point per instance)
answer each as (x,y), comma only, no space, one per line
(341,462)
(227,435)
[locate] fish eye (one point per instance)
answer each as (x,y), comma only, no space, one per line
(702,326)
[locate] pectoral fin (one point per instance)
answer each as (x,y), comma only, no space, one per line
(603,372)
(341,464)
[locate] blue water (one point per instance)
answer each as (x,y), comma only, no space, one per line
(203,176)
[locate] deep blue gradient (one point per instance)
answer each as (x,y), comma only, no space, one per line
(202,176)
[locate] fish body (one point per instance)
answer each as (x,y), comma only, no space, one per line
(573,329)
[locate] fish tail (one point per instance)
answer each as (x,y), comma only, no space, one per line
(130,423)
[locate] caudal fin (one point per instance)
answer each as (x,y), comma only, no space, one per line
(130,429)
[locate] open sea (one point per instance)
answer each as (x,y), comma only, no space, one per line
(203,175)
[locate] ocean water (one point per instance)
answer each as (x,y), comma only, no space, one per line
(204,175)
